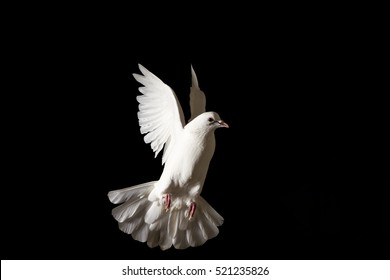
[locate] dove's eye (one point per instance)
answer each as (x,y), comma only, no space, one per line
(210,119)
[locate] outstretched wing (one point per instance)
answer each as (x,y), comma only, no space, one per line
(160,115)
(197,97)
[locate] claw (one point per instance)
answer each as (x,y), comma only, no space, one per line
(191,210)
(167,201)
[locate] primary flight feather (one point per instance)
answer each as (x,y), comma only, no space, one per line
(171,211)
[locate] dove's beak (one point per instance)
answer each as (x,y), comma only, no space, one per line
(222,124)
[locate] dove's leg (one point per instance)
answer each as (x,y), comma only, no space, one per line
(191,210)
(167,201)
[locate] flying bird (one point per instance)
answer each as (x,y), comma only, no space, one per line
(171,211)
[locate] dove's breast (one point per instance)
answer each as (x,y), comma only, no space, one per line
(188,165)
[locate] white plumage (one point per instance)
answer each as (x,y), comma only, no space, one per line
(171,211)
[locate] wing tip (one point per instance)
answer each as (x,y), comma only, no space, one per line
(141,68)
(194,78)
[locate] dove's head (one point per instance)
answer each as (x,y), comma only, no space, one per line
(207,122)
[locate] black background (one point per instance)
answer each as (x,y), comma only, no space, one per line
(302,172)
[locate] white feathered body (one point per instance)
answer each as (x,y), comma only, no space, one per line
(187,220)
(186,169)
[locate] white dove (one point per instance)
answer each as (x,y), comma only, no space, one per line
(171,211)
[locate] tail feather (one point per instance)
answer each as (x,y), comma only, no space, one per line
(155,226)
(153,239)
(122,195)
(154,213)
(183,221)
(180,240)
(194,235)
(127,210)
(209,212)
(141,233)
(165,241)
(209,230)
(147,221)
(173,223)
(129,226)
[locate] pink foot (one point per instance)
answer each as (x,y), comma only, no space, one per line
(167,201)
(191,210)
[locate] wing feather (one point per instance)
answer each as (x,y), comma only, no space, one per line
(160,115)
(197,97)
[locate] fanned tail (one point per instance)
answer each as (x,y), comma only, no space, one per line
(148,221)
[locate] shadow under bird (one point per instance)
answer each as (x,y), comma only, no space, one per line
(171,211)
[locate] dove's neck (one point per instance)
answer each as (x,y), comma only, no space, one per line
(203,146)
(199,149)
(202,136)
